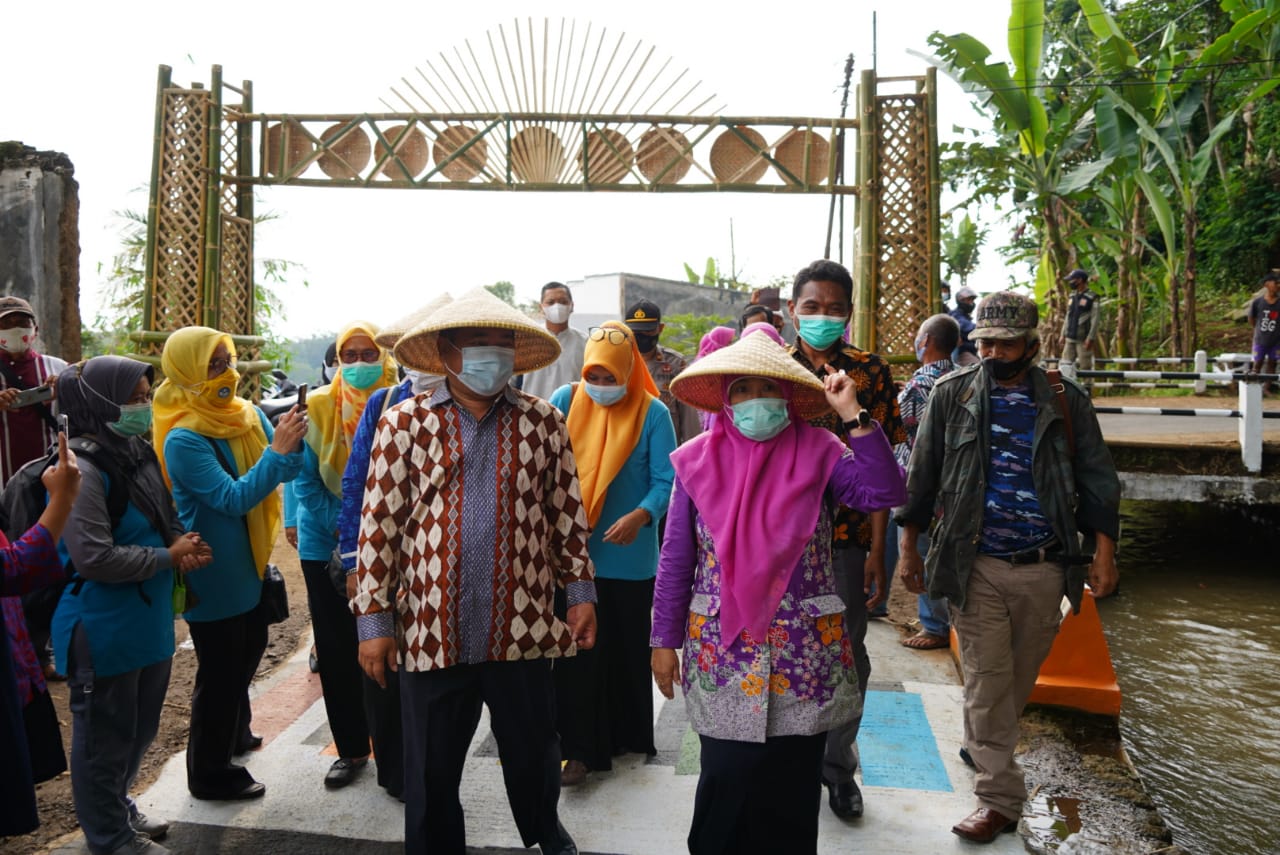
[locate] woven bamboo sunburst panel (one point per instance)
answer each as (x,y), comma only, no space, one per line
(904,221)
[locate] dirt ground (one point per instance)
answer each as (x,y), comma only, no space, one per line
(57,812)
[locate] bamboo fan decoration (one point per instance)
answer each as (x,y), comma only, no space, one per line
(562,70)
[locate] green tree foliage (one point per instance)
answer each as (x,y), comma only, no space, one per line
(121,310)
(960,248)
(684,332)
(714,277)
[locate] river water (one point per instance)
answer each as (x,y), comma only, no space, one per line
(1195,638)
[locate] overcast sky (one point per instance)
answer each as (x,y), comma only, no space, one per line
(83,83)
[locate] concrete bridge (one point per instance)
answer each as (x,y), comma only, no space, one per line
(1190,458)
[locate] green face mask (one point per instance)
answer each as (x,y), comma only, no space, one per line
(820,331)
(135,420)
(362,375)
(761,418)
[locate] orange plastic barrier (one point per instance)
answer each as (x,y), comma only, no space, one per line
(1078,673)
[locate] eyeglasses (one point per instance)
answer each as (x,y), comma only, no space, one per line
(350,356)
(613,336)
(221,363)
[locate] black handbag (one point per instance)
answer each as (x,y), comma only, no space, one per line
(275,596)
(274,601)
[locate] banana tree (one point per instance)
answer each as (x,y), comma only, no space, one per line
(1036,139)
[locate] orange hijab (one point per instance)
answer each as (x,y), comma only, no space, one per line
(604,437)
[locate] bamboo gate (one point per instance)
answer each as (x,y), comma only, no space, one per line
(212,150)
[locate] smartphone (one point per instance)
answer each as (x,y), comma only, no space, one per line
(27,397)
(62,423)
(302,398)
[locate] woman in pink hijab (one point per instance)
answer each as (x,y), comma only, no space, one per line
(745,608)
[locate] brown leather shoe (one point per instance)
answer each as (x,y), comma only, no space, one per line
(984,825)
(573,773)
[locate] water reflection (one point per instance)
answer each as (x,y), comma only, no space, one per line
(1194,636)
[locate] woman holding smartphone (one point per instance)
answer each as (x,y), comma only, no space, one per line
(224,463)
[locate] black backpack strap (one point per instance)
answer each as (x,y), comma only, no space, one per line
(118,489)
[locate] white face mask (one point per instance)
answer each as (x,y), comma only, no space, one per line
(423,382)
(557,313)
(17,339)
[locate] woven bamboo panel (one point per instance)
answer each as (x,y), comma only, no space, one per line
(229,195)
(235,303)
(902,299)
(465,165)
(799,149)
(180,214)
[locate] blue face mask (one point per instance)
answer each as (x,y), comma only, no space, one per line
(485,370)
(761,418)
(135,420)
(920,352)
(605,396)
(362,375)
(820,331)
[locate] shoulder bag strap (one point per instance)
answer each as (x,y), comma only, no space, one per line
(1060,392)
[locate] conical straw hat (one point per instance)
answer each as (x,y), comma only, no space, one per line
(392,332)
(754,355)
(535,347)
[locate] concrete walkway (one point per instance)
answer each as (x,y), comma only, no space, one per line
(914,783)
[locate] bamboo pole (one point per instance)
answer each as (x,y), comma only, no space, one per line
(935,193)
(245,207)
(868,214)
(210,278)
(163,79)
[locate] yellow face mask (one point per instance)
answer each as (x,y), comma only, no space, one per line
(221,390)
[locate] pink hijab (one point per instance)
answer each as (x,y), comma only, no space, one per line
(768,329)
(716,338)
(761,501)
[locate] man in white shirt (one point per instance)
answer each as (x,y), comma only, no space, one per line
(557,306)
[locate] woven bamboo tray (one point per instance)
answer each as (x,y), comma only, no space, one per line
(791,154)
(608,156)
(348,153)
(297,146)
(411,148)
(663,149)
(467,165)
(733,161)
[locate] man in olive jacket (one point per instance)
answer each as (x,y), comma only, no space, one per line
(1024,503)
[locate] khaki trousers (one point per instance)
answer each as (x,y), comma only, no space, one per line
(1079,354)
(1008,623)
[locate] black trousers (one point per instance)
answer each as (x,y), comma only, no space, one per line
(382,711)
(227,654)
(758,797)
(341,678)
(440,710)
(604,696)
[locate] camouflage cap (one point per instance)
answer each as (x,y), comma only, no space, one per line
(1005,315)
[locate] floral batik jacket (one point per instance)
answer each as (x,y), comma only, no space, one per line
(799,679)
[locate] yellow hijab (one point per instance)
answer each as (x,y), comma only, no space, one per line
(604,437)
(334,410)
(187,398)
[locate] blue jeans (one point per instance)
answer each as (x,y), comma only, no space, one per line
(934,616)
(113,720)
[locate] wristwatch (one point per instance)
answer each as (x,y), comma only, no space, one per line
(863,420)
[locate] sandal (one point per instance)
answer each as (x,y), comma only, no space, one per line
(926,641)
